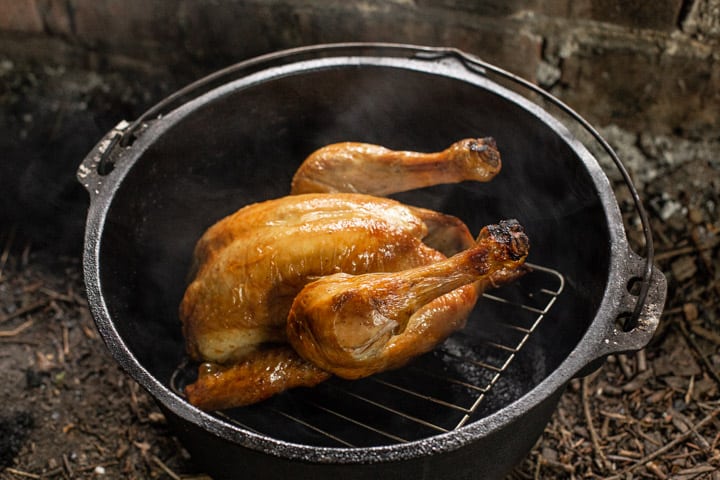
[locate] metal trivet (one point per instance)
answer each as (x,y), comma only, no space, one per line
(460,381)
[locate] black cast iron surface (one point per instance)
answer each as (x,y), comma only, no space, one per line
(241,142)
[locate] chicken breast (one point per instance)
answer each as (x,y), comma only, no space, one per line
(250,266)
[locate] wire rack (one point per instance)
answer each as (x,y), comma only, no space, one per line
(462,380)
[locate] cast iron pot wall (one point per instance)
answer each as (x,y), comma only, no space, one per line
(241,143)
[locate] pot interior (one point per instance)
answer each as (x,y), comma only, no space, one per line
(242,144)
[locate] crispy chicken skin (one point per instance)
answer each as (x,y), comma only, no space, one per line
(251,265)
(260,375)
(335,279)
(376,170)
(357,325)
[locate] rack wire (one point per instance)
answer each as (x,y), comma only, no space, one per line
(462,380)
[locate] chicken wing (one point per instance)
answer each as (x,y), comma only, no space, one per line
(259,375)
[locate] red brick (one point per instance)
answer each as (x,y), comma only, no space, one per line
(253,28)
(507,47)
(703,19)
(57,16)
(20,16)
(655,15)
(638,85)
(126,25)
(486,8)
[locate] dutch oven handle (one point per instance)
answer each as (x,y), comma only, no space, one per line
(630,325)
(95,166)
(633,327)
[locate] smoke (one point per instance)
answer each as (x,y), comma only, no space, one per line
(50,118)
(40,196)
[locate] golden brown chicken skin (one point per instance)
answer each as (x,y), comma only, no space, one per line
(287,292)
(258,376)
(251,265)
(357,325)
(376,170)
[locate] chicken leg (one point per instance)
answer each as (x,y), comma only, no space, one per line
(357,325)
(375,170)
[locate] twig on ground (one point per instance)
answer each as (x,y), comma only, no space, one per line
(133,387)
(655,470)
(685,250)
(6,251)
(591,427)
(691,387)
(25,310)
(63,297)
(165,468)
(625,365)
(695,235)
(684,424)
(694,472)
(671,311)
(17,330)
(698,352)
(708,335)
(66,340)
(68,468)
(20,473)
(642,361)
(667,447)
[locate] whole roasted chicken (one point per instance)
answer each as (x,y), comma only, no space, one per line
(334,279)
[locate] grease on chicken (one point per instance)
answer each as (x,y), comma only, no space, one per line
(287,292)
(376,170)
(357,325)
(252,264)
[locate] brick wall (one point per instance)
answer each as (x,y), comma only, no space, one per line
(643,65)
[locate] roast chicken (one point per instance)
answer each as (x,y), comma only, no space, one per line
(333,281)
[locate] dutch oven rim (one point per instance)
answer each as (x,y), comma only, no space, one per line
(601,338)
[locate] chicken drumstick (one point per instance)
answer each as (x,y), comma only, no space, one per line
(376,170)
(357,325)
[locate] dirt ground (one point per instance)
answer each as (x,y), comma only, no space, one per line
(70,412)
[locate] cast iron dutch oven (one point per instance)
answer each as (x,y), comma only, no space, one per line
(237,136)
